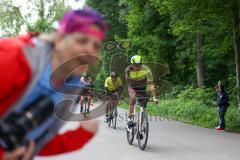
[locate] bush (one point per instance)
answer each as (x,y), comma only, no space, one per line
(195,112)
(172,94)
(205,95)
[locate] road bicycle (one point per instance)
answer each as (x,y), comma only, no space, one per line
(112,114)
(140,124)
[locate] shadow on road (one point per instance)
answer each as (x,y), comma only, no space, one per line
(158,149)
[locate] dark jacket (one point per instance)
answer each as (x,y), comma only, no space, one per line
(222,98)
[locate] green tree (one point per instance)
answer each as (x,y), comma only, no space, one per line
(117,28)
(236,36)
(212,23)
(38,17)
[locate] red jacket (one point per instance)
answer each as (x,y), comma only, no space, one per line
(15,76)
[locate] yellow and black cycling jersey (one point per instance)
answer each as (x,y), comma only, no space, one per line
(138,78)
(113,85)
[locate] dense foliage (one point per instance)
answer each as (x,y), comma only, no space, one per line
(166,32)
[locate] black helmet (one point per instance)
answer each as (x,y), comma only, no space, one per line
(113,74)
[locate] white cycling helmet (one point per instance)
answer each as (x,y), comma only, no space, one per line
(136,59)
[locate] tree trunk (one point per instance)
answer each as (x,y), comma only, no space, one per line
(236,35)
(199,61)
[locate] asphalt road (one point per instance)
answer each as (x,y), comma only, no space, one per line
(168,140)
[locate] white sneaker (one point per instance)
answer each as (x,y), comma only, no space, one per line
(129,122)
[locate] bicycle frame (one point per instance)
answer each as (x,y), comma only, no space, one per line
(138,104)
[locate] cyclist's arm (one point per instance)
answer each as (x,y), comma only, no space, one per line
(153,90)
(106,85)
(150,82)
(127,78)
(80,80)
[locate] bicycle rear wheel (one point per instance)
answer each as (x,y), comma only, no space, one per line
(143,129)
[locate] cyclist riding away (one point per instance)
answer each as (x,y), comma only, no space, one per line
(87,85)
(113,85)
(139,78)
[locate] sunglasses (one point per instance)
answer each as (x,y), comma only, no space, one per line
(137,64)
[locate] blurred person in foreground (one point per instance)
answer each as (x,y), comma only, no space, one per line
(26,66)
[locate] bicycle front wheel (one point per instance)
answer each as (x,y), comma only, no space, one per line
(143,129)
(114,120)
(110,116)
(109,119)
(130,133)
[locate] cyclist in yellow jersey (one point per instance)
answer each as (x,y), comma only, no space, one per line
(113,85)
(138,78)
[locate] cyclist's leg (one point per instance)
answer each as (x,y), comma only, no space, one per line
(81,103)
(145,95)
(107,109)
(132,95)
(91,96)
(106,114)
(82,98)
(89,102)
(116,102)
